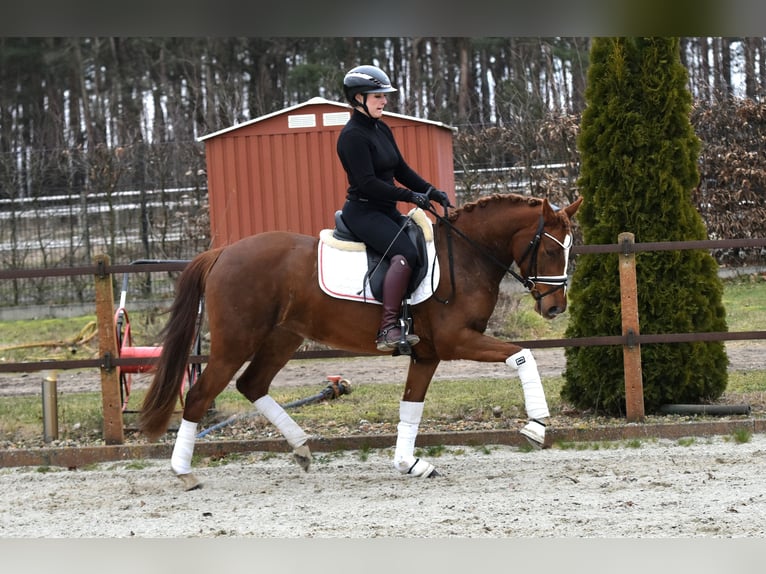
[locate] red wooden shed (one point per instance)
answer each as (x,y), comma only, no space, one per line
(281,171)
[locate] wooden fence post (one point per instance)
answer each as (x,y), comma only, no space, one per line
(107,348)
(631,352)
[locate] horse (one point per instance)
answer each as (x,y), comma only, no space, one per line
(263,301)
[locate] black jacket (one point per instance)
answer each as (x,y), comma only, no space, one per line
(372,160)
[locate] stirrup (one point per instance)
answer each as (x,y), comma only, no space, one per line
(402,343)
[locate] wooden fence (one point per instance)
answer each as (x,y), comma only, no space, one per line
(109,362)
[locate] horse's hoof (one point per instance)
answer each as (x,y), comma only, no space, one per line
(422,469)
(189,481)
(534,432)
(302,456)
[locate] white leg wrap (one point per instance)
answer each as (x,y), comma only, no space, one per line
(277,416)
(410,414)
(183,449)
(534,395)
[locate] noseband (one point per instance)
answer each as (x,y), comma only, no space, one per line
(531,281)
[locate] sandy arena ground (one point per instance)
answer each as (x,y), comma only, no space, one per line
(703,487)
(710,488)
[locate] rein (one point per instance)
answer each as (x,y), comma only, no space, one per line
(529,282)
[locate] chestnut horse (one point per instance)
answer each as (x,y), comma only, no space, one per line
(263,300)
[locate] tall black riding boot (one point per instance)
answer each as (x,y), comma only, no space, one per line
(394,287)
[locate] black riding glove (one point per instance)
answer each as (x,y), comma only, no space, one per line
(420,199)
(438,196)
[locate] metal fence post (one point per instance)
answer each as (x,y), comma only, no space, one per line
(50,407)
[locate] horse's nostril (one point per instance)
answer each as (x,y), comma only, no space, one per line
(554,311)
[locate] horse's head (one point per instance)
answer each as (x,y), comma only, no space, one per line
(542,254)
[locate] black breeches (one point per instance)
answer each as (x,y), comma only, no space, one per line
(380,230)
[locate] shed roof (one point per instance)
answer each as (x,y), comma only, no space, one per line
(314,101)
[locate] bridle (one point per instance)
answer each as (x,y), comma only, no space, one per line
(556,281)
(531,281)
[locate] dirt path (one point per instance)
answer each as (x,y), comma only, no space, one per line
(712,488)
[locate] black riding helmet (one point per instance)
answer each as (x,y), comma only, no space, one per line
(365,80)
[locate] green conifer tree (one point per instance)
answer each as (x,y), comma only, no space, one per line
(639,166)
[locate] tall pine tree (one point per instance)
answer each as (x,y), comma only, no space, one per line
(639,166)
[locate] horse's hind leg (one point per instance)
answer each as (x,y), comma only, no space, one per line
(254,384)
(211,382)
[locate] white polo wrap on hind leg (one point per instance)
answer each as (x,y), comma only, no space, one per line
(405,462)
(183,449)
(534,395)
(277,416)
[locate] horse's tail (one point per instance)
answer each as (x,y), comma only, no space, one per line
(178,335)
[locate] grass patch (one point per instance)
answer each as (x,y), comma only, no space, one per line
(375,406)
(745,302)
(746,381)
(216,461)
(742,435)
(138,464)
(434,451)
(78,415)
(327,457)
(596,445)
(571,445)
(364,453)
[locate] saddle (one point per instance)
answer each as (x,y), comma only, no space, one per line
(376,265)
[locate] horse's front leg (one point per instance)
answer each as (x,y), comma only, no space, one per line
(534,396)
(410,413)
(474,346)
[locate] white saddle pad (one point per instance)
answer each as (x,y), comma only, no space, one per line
(342,266)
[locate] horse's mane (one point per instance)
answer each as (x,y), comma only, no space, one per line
(486,200)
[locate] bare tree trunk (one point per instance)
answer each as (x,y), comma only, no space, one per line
(83,92)
(465,80)
(720,87)
(578,70)
(414,85)
(749,54)
(553,87)
(703,76)
(726,83)
(761,64)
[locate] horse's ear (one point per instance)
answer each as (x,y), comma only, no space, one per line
(571,209)
(548,209)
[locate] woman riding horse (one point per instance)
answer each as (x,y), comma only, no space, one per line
(261,319)
(372,160)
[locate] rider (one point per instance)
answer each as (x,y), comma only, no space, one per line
(372,160)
